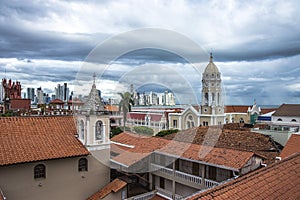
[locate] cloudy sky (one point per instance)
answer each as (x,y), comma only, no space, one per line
(155,45)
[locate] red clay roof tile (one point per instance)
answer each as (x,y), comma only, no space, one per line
(113,186)
(292,146)
(27,139)
(277,181)
(144,145)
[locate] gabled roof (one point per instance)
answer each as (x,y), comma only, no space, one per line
(28,139)
(292,110)
(236,109)
(292,146)
(144,146)
(277,181)
(113,186)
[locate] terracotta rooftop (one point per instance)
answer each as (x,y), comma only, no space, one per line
(141,116)
(56,101)
(143,146)
(236,109)
(113,186)
(27,139)
(278,181)
(111,108)
(292,146)
(292,110)
(231,137)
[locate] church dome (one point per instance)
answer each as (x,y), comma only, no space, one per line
(211,68)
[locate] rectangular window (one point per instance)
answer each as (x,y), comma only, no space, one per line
(162,182)
(195,169)
(174,123)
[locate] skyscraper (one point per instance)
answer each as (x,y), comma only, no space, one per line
(30,93)
(62,92)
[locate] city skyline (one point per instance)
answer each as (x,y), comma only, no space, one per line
(255,44)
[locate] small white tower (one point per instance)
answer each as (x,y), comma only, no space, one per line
(93,123)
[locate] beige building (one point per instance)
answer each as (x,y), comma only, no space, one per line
(41,158)
(58,157)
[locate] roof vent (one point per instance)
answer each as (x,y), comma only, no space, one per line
(277,159)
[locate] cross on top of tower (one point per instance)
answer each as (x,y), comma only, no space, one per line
(94,77)
(211,57)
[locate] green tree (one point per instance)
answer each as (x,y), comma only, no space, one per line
(125,105)
(166,132)
(143,130)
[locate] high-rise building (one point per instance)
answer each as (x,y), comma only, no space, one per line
(30,94)
(40,95)
(62,92)
(1,93)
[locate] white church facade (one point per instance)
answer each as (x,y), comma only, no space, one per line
(211,111)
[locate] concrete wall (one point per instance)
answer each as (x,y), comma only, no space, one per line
(252,164)
(63,180)
(184,190)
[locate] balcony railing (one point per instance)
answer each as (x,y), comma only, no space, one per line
(144,196)
(167,194)
(184,176)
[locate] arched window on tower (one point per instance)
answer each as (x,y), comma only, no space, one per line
(206,98)
(213,96)
(99,130)
(279,119)
(293,120)
(81,129)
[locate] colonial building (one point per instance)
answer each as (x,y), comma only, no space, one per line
(284,122)
(41,158)
(176,169)
(278,181)
(61,157)
(210,112)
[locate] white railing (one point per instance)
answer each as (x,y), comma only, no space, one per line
(144,196)
(210,183)
(162,169)
(187,177)
(167,194)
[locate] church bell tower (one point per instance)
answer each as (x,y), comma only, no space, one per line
(212,106)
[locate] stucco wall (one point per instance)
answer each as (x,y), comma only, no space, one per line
(63,180)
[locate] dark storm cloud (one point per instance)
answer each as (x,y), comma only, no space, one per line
(256,43)
(23,43)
